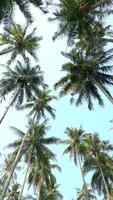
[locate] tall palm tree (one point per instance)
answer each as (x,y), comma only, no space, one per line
(86,74)
(75,149)
(18,41)
(23,81)
(98,159)
(7,8)
(80,194)
(39,104)
(33,145)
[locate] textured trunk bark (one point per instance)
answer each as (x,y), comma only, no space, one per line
(10,104)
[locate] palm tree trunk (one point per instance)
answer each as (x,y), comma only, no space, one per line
(103,178)
(25,178)
(104,92)
(6,185)
(7,51)
(85,186)
(10,104)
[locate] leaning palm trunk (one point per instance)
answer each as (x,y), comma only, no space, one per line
(103,178)
(10,104)
(8,50)
(85,187)
(104,92)
(25,178)
(6,185)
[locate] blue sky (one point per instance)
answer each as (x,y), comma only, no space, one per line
(50,60)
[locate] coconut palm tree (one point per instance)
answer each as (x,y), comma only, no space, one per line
(23,81)
(86,74)
(42,178)
(40,104)
(18,41)
(76,150)
(33,145)
(7,8)
(51,193)
(98,159)
(80,194)
(77,18)
(96,179)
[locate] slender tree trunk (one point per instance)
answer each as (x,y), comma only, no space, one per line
(25,178)
(104,92)
(6,185)
(10,104)
(103,178)
(8,50)
(85,186)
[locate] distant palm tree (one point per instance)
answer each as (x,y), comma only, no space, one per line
(98,160)
(80,194)
(39,104)
(41,177)
(18,41)
(86,74)
(76,150)
(51,193)
(24,81)
(33,146)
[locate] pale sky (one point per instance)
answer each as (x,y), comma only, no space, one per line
(51,60)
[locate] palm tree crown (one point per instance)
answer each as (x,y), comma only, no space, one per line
(24,78)
(78,18)
(36,153)
(19,41)
(85,74)
(39,104)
